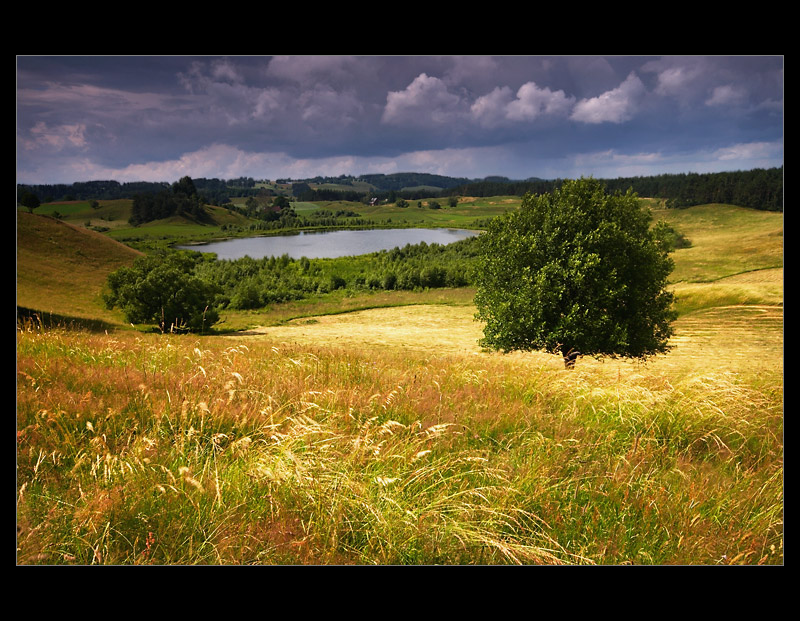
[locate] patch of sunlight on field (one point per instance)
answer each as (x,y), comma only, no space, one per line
(756,288)
(734,338)
(761,277)
(446,329)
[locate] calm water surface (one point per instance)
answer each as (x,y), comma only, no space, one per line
(328,244)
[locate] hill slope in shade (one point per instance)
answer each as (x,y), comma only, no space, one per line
(61,268)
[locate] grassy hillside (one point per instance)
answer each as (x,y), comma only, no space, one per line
(61,268)
(109,214)
(386,436)
(111,217)
(735,257)
(726,240)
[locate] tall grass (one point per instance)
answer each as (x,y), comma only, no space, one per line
(150,449)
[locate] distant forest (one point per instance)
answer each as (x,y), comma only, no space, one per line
(758,188)
(211,191)
(181,199)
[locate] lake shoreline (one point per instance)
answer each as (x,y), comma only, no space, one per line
(324,229)
(356,241)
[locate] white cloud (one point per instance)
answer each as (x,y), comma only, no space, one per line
(224,70)
(325,106)
(226,162)
(490,110)
(715,81)
(676,81)
(267,103)
(425,101)
(302,69)
(726,95)
(55,137)
(309,105)
(217,160)
(749,152)
(531,102)
(614,106)
(617,160)
(469,69)
(610,163)
(94,99)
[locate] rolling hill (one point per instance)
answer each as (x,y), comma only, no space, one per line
(61,268)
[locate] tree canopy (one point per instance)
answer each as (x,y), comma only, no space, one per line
(163,289)
(575,270)
(29,200)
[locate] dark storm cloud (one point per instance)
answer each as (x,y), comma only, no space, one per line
(134,118)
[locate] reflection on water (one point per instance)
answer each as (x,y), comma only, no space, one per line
(328,244)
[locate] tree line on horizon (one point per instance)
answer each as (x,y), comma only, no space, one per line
(211,191)
(758,188)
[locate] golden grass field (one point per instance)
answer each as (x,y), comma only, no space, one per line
(385,436)
(732,338)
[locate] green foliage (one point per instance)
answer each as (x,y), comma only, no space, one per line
(669,237)
(163,289)
(575,270)
(181,200)
(29,200)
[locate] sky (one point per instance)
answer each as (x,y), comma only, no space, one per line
(159,118)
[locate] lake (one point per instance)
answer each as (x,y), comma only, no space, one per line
(328,244)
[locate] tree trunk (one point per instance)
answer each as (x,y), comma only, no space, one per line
(570,356)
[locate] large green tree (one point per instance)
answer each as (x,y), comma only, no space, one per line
(578,270)
(162,289)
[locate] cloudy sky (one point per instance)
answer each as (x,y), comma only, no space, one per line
(158,118)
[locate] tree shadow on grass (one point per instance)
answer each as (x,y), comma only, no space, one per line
(46,320)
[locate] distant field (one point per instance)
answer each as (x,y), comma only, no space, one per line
(726,240)
(468,213)
(303,208)
(109,215)
(758,288)
(112,218)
